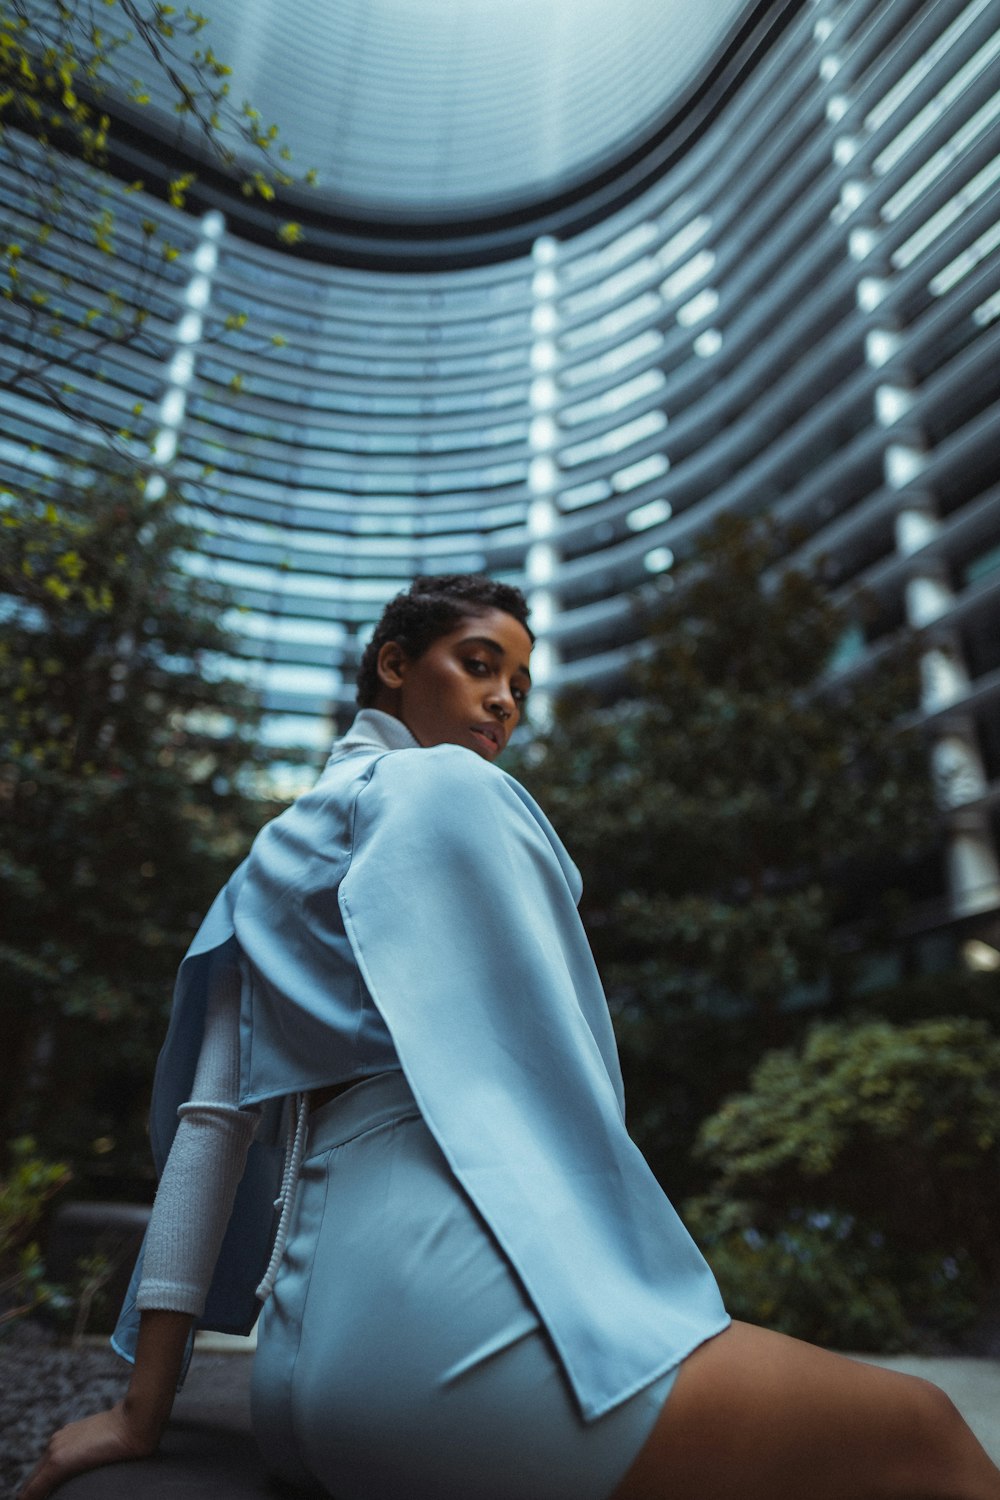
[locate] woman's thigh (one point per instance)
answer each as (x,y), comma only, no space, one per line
(766,1417)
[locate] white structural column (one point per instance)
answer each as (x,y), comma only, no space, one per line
(188,333)
(959,777)
(541,557)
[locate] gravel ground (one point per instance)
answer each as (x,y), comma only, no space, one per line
(43,1385)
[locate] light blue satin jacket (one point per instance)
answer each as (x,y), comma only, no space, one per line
(415,909)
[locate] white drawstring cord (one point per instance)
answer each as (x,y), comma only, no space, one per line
(294,1146)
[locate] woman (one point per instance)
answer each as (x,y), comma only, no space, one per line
(478,1288)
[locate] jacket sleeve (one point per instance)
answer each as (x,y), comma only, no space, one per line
(460,908)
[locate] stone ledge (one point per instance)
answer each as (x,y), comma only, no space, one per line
(207,1452)
(199,1461)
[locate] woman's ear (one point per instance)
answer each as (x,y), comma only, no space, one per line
(391,663)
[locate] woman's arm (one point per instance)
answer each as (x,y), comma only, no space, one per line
(133,1426)
(188,1222)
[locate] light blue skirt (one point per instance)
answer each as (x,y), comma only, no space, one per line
(398,1357)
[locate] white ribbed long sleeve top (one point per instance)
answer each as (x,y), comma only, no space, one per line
(206,1161)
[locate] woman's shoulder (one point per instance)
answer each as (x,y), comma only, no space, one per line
(447,785)
(462,797)
(442,775)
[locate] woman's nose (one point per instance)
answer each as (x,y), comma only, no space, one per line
(501,704)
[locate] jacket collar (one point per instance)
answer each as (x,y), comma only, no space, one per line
(374,730)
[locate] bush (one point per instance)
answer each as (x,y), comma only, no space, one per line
(854,1190)
(824,1277)
(28,1185)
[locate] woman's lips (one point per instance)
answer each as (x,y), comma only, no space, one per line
(487,739)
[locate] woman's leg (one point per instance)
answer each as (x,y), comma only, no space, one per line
(764,1417)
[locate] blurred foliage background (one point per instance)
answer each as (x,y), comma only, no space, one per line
(756,829)
(128,765)
(130,774)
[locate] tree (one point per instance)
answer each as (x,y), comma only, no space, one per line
(66,68)
(728,814)
(852,1190)
(127,760)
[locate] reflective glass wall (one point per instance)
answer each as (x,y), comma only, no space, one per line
(801,316)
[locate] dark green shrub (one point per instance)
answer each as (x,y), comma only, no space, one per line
(826,1278)
(25,1188)
(855,1185)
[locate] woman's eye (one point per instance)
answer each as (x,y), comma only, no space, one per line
(519,694)
(477,667)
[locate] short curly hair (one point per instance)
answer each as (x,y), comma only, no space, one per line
(431,607)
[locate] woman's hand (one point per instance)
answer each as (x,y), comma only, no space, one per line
(133,1427)
(108,1437)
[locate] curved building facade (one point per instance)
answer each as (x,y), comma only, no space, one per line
(786,298)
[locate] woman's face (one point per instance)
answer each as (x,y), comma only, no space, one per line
(468,688)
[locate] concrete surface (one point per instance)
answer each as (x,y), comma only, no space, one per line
(973,1385)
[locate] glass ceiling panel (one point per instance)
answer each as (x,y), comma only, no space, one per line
(435,108)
